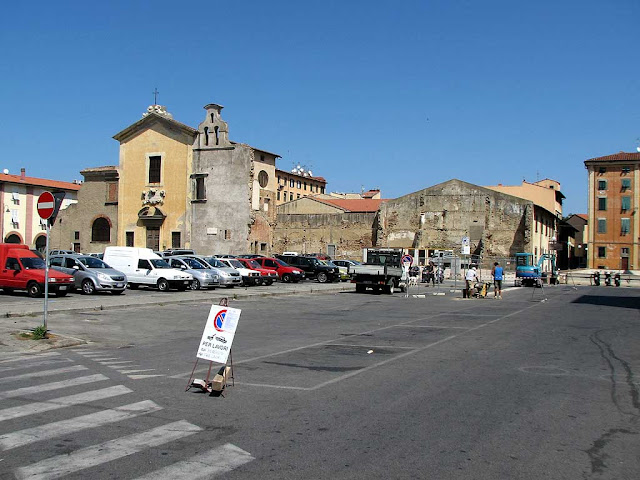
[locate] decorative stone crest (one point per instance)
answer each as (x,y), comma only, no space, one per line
(158,110)
(153,196)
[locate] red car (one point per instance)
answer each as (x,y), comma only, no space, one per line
(267,276)
(287,273)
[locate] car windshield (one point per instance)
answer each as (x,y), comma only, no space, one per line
(159,263)
(214,262)
(253,264)
(281,263)
(30,262)
(92,262)
(193,263)
(235,263)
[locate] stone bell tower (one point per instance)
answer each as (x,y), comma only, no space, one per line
(214,132)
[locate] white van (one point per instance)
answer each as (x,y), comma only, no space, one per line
(143,267)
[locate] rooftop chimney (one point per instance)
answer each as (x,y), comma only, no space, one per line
(22,173)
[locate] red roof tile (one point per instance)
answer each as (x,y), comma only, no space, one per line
(356,205)
(39,182)
(620,156)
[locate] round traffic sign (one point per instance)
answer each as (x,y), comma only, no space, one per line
(46,205)
(407,259)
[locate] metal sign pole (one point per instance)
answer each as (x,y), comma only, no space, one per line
(46,278)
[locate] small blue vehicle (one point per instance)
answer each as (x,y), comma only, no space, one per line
(529,274)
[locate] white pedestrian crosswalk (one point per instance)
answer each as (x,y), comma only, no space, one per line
(35,417)
(125,367)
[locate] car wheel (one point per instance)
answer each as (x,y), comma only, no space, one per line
(322,277)
(61,294)
(267,282)
(133,286)
(163,285)
(117,292)
(360,288)
(34,289)
(286,278)
(195,285)
(88,287)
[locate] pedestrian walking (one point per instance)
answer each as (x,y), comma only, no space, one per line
(498,274)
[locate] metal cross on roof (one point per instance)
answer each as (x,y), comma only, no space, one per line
(155,96)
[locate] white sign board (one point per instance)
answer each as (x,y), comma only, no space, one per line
(466,246)
(218,334)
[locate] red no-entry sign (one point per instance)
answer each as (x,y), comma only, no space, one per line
(46,205)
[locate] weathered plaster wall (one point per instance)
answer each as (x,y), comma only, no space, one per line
(310,233)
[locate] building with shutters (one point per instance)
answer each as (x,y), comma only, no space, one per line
(614,225)
(19,219)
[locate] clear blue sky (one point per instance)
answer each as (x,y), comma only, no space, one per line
(391,95)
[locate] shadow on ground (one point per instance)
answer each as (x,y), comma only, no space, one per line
(610,301)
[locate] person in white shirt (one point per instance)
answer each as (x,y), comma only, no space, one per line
(471,278)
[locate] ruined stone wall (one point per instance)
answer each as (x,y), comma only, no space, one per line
(438,217)
(311,233)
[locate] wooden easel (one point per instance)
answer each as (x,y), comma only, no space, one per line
(214,386)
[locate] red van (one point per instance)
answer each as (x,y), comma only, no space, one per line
(21,269)
(286,272)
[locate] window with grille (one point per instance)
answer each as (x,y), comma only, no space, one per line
(626,184)
(602,252)
(129,239)
(155,167)
(100,230)
(175,240)
(602,184)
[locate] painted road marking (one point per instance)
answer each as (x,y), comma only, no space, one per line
(61,465)
(43,373)
(26,358)
(140,377)
(84,422)
(204,465)
(26,391)
(37,364)
(62,402)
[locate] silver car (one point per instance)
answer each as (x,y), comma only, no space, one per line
(90,274)
(203,276)
(229,277)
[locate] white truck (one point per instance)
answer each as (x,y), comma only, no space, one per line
(382,269)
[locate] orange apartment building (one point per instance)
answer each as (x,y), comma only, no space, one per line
(297,184)
(614,182)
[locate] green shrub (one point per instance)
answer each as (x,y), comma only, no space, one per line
(39,333)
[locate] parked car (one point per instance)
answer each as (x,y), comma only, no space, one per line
(286,272)
(97,255)
(267,276)
(24,270)
(249,277)
(312,267)
(203,276)
(346,263)
(344,271)
(143,267)
(177,251)
(90,274)
(319,256)
(62,252)
(228,276)
(250,255)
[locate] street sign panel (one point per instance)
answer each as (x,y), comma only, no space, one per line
(407,259)
(46,205)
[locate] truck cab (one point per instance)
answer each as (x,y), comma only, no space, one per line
(21,269)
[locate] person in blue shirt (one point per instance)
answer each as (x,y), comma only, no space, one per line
(497,273)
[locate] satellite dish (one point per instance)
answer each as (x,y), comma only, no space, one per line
(6,170)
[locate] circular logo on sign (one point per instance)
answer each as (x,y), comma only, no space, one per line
(219,320)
